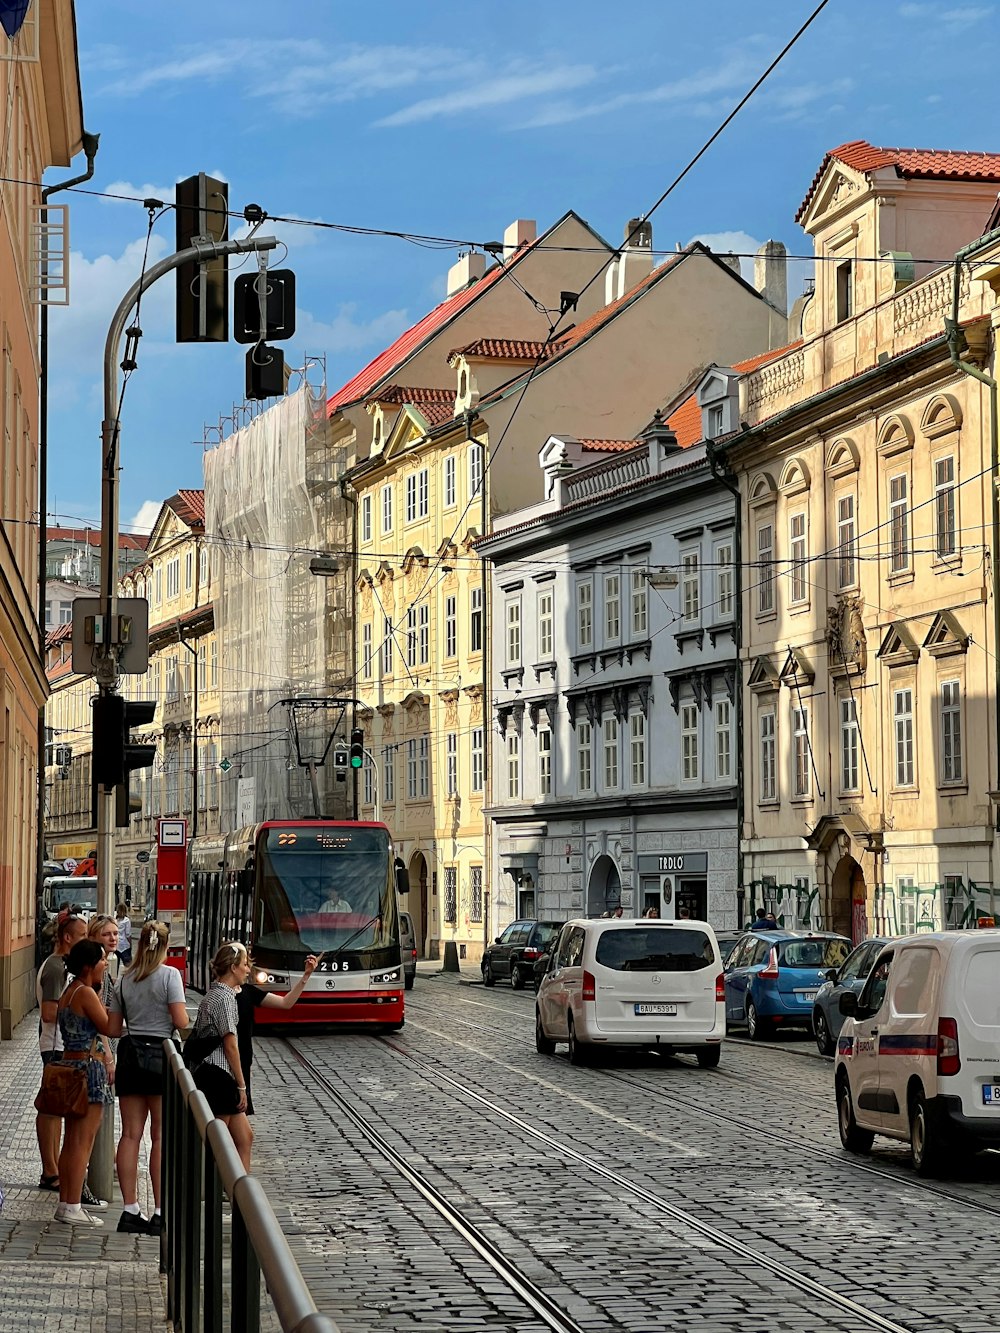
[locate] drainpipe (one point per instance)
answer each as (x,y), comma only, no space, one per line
(721,471)
(957,344)
(89,144)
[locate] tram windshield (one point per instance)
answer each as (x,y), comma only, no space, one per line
(320,890)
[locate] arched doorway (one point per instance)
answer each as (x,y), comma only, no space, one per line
(604,891)
(417,905)
(849,900)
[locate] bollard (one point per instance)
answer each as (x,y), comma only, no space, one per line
(450,957)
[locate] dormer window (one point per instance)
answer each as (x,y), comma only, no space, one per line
(715,421)
(718,398)
(377,436)
(463,383)
(845,290)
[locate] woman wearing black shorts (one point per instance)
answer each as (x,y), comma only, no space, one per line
(220,1074)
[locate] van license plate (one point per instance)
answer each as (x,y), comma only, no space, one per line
(662,1009)
(991,1094)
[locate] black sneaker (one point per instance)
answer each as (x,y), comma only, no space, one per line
(133,1222)
(90,1200)
(155,1225)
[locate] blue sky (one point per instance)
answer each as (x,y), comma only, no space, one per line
(451,120)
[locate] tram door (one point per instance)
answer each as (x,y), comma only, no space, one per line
(692,898)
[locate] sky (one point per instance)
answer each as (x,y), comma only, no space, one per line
(450,121)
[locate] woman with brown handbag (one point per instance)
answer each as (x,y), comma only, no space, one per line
(82,1018)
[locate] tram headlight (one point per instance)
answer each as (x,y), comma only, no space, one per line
(270,978)
(386,978)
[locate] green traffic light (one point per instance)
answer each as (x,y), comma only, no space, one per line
(357,760)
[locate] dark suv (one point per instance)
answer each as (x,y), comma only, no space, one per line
(514,953)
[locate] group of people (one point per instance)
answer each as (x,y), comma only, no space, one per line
(88,997)
(764,920)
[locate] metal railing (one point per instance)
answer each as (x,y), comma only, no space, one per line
(200,1167)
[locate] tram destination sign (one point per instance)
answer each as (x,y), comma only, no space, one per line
(673,863)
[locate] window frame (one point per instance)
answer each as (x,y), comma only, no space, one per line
(767,753)
(767,602)
(478,756)
(583,603)
(850,745)
(725,580)
(952,752)
(546,625)
(475,620)
(366,518)
(451,763)
(638,762)
(611,752)
(366,650)
(798,557)
(945,499)
(898,518)
(584,752)
(904,766)
(690,564)
(450,625)
(512,633)
(512,751)
(690,749)
(449,486)
(611,586)
(723,739)
(847,540)
(386,506)
(544,740)
(802,784)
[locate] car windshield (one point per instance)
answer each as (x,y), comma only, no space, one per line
(813,953)
(79,891)
(656,949)
(546,933)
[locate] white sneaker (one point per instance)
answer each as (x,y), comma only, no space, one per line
(76,1217)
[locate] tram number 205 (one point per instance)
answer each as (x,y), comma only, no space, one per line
(332,966)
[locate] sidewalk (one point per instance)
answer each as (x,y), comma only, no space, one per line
(54,1277)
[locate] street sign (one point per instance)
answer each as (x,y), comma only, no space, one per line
(142,857)
(173,833)
(226,765)
(130,636)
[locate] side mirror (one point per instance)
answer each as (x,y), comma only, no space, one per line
(402,877)
(849,1004)
(497,940)
(831,974)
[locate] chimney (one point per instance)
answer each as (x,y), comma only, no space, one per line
(468,268)
(635,261)
(522,231)
(731,261)
(770,275)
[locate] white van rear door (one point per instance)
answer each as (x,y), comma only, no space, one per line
(974,990)
(657,976)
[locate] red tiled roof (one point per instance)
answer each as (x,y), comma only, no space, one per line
(507,349)
(765,358)
(685,419)
(436,414)
(924,163)
(189,506)
(606,446)
(92,537)
(414,393)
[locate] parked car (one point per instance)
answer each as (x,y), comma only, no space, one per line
(728,940)
(408,949)
(641,982)
(514,953)
(852,974)
(542,964)
(917,1055)
(773,977)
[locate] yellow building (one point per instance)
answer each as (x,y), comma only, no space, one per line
(40,89)
(869,594)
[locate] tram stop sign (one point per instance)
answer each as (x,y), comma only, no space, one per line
(226,765)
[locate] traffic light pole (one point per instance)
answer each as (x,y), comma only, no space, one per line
(107,660)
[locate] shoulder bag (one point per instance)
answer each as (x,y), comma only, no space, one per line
(64,1088)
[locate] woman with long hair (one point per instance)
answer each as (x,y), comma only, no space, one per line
(104,929)
(82,1021)
(149,1001)
(219,1075)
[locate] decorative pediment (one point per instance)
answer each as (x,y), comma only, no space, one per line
(415,699)
(899,647)
(447,551)
(546,705)
(842,458)
(797,670)
(384,572)
(510,715)
(413,557)
(946,636)
(762,489)
(942,416)
(895,435)
(364,579)
(794,477)
(472,535)
(763,676)
(364,713)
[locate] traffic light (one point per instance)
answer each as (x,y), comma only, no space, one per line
(357,748)
(277,308)
(202,206)
(340,765)
(138,754)
(265,373)
(115,753)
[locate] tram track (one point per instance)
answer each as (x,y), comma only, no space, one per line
(551,1314)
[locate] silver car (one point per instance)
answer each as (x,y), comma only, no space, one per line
(408,949)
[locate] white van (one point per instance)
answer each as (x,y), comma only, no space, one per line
(918,1057)
(618,982)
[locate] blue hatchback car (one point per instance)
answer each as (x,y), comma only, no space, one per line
(772,978)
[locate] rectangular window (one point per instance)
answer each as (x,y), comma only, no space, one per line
(584,615)
(845,290)
(545,626)
(798,551)
(690,586)
(850,746)
(424,759)
(202,666)
(366,650)
(514,632)
(899,523)
(411,498)
(203,567)
(723,739)
(902,720)
(158,585)
(386,508)
(188,570)
(725,581)
(689,743)
(475,893)
(475,469)
(389,775)
(801,757)
(450,627)
(366,518)
(846,542)
(368,797)
(411,636)
(451,754)
(951,731)
(637,748)
(513,766)
(423,493)
(768,758)
(640,612)
(171,677)
(411,770)
(944,505)
(449,481)
(584,756)
(173,577)
(610,754)
(476,620)
(450,894)
(612,608)
(424,633)
(477,758)
(213,664)
(386,646)
(544,761)
(765,569)
(715,421)
(906,905)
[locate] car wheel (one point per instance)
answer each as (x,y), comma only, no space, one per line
(709,1056)
(488,978)
(516,978)
(577,1051)
(821,1031)
(410,980)
(852,1136)
(543,1045)
(758,1029)
(925,1140)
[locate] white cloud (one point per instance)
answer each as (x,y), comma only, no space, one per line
(344,332)
(516,85)
(732,242)
(128,191)
(956,17)
(145,517)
